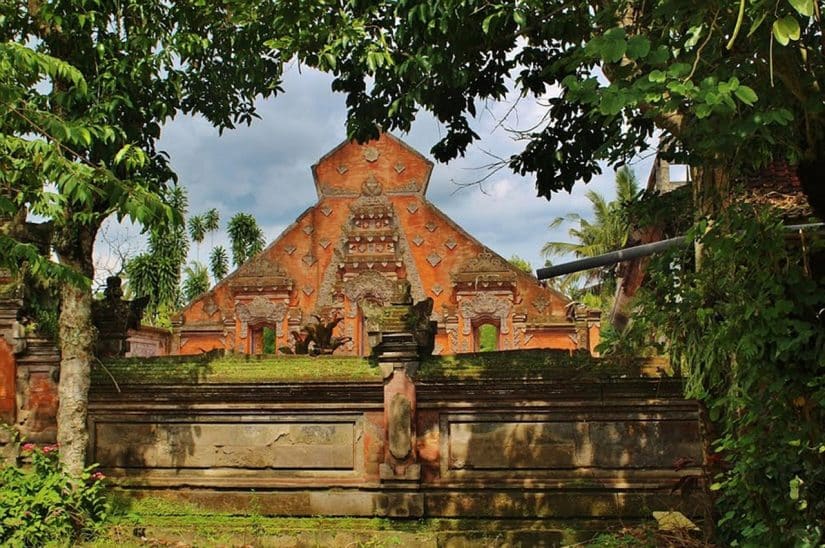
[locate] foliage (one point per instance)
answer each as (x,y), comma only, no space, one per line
(487,338)
(197,230)
(745,331)
(728,85)
(522,264)
(195,281)
(608,231)
(219,263)
(156,274)
(41,504)
(210,368)
(246,236)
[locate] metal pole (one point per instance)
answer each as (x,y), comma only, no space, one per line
(630,253)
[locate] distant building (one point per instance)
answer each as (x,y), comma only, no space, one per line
(371,227)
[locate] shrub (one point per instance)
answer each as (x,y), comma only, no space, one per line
(41,504)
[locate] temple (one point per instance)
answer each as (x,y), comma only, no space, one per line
(371,230)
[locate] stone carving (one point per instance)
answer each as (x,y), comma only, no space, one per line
(400,426)
(452,336)
(259,273)
(410,186)
(326,210)
(540,304)
(372,284)
(210,306)
(341,169)
(309,259)
(399,167)
(418,240)
(317,338)
(485,305)
(259,311)
(324,243)
(437,289)
(327,190)
(112,316)
(308,289)
(416,288)
(412,207)
(433,258)
(371,154)
(308,229)
(290,249)
(371,187)
(484,268)
(431,226)
(450,244)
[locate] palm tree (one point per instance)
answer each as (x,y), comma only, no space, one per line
(197,231)
(246,236)
(219,263)
(607,231)
(211,223)
(196,280)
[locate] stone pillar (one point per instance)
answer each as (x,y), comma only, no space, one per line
(400,472)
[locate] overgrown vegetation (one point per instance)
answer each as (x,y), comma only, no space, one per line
(233,369)
(745,330)
(41,505)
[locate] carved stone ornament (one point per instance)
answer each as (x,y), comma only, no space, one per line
(259,311)
(370,284)
(308,289)
(450,244)
(433,259)
(412,207)
(485,305)
(308,229)
(437,290)
(371,154)
(290,249)
(341,169)
(259,273)
(399,167)
(484,267)
(326,210)
(540,304)
(309,259)
(324,243)
(431,226)
(371,187)
(418,240)
(210,306)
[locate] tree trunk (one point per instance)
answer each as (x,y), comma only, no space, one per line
(711,194)
(76,348)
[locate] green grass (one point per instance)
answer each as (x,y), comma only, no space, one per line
(545,364)
(211,369)
(215,368)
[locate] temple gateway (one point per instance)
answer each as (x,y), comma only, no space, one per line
(371,230)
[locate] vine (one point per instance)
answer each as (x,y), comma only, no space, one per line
(746,332)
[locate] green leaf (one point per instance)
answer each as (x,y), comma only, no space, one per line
(657,76)
(519,18)
(638,47)
(746,95)
(794,487)
(757,23)
(715,486)
(786,29)
(803,7)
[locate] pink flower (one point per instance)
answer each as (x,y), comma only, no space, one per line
(50,448)
(98,476)
(28,447)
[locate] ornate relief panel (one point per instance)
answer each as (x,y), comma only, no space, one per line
(485,305)
(369,283)
(260,311)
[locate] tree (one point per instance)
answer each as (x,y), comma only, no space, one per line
(246,236)
(729,86)
(219,263)
(197,231)
(195,281)
(522,264)
(608,231)
(156,274)
(211,221)
(136,64)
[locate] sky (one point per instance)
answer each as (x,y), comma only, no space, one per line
(264,169)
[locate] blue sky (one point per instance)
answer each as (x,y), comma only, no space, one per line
(264,169)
